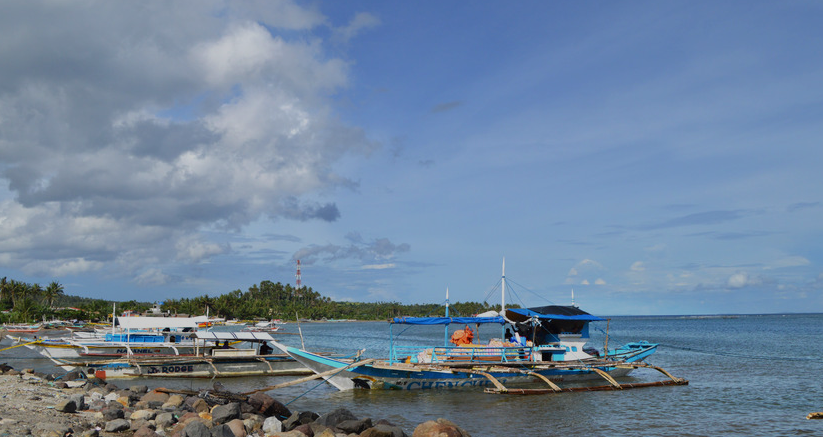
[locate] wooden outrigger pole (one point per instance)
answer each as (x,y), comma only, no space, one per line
(554,388)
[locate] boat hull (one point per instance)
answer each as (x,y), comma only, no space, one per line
(402,376)
(195,367)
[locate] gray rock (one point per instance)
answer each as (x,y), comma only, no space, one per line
(145,432)
(196,429)
(271,425)
(301,418)
(112,412)
(117,425)
(384,430)
(332,418)
(79,401)
(66,406)
(143,415)
(225,413)
(165,420)
(222,431)
(139,389)
(354,426)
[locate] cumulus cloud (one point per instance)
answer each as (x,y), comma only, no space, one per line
(742,279)
(380,249)
(360,22)
(127,128)
(637,266)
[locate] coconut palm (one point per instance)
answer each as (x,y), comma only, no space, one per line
(52,292)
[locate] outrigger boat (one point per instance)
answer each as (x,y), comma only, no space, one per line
(135,336)
(211,360)
(548,346)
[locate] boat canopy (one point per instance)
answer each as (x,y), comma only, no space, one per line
(446,320)
(240,335)
(160,322)
(552,312)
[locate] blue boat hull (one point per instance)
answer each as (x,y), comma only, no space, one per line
(403,376)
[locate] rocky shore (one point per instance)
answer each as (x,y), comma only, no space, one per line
(38,405)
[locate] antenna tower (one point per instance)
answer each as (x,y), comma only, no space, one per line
(298,275)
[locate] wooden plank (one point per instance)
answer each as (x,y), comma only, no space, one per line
(538,391)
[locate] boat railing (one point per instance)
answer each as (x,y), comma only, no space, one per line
(451,354)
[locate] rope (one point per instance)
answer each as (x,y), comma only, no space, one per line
(21,344)
(734,355)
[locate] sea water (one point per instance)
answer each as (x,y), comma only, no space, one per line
(753,375)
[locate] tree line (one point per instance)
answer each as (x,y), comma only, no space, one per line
(22,303)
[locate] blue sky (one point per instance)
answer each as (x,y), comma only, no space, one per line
(654,157)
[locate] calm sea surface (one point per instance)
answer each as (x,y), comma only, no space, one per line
(749,376)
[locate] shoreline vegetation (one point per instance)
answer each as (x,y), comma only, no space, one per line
(52,405)
(26,303)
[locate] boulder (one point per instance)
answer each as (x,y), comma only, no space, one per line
(297,419)
(155,396)
(272,425)
(253,423)
(112,412)
(334,417)
(384,430)
(143,415)
(174,402)
(266,405)
(199,405)
(66,406)
(196,428)
(79,401)
(354,426)
(139,389)
(222,431)
(225,413)
(238,428)
(304,429)
(117,425)
(145,431)
(165,420)
(439,428)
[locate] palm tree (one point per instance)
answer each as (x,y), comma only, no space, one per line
(52,292)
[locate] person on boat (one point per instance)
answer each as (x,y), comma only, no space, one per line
(265,349)
(225,345)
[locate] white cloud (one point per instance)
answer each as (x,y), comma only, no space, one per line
(599,281)
(127,129)
(379,266)
(637,266)
(361,21)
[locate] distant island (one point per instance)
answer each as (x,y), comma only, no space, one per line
(21,302)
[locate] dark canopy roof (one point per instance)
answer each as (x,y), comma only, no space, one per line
(553,312)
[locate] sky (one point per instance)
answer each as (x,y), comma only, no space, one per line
(649,157)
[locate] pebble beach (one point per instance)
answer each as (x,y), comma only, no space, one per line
(48,405)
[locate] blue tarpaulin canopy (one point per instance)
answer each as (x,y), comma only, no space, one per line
(446,320)
(556,315)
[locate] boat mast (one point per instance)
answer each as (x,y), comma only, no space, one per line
(503,293)
(446,335)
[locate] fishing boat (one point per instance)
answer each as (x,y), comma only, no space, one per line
(129,336)
(266,326)
(23,328)
(213,358)
(547,345)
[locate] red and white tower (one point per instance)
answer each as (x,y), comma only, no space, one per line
(298,274)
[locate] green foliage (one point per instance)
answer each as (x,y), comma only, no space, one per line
(267,300)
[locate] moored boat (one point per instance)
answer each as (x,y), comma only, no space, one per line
(542,345)
(213,359)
